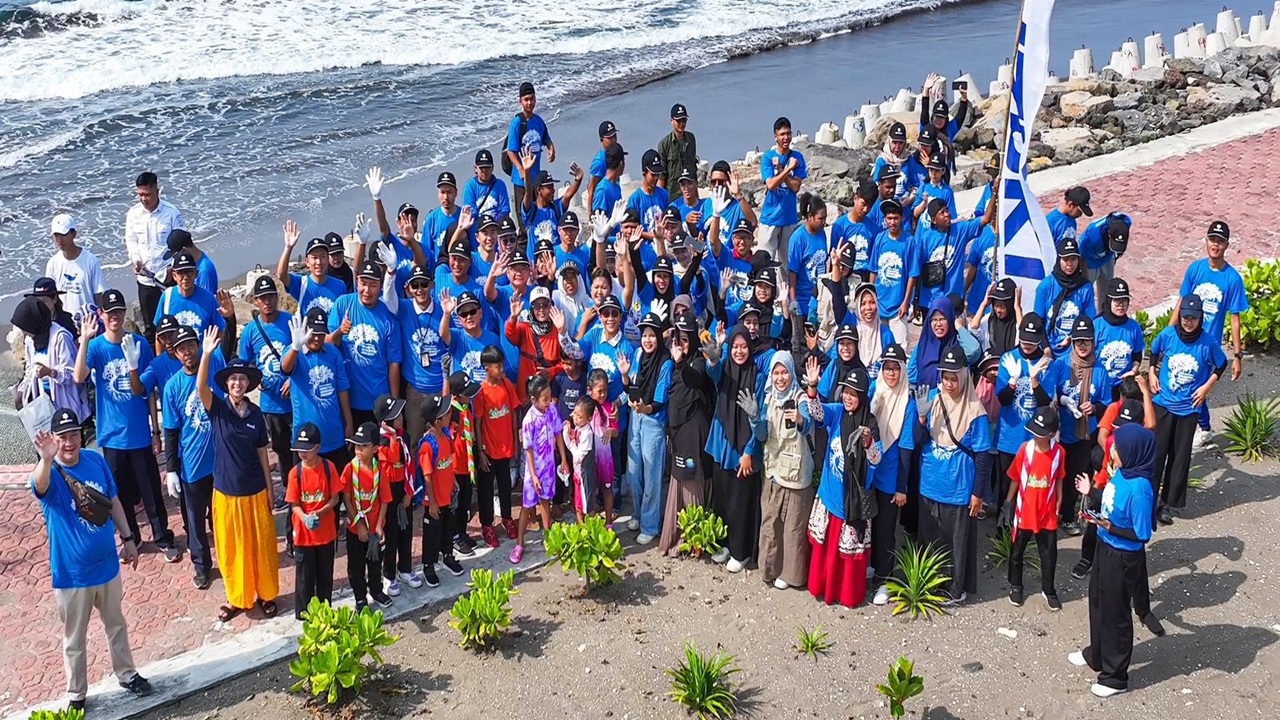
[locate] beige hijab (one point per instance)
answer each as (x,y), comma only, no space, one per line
(963,409)
(869,343)
(889,405)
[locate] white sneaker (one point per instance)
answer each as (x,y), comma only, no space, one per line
(780,584)
(1077,658)
(393,588)
(633,524)
(414,579)
(1203,440)
(733,566)
(882,596)
(1103,691)
(721,556)
(644,539)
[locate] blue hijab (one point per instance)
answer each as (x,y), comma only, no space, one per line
(930,349)
(1136,447)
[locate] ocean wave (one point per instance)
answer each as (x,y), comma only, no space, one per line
(120,44)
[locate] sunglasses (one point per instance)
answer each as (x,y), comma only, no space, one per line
(468,313)
(415,286)
(610,313)
(541,305)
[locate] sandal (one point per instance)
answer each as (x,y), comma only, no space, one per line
(268,607)
(227,613)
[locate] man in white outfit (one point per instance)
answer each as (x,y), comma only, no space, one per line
(146,232)
(75,271)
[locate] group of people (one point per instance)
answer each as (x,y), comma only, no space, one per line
(665,350)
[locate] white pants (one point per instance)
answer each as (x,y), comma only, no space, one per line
(773,240)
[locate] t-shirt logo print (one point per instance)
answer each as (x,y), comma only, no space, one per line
(190,319)
(531,142)
(1211,298)
(1182,371)
(815,265)
(322,386)
(267,360)
(602,361)
(1067,316)
(943,454)
(1115,356)
(835,456)
(364,340)
(115,376)
(889,268)
(471,365)
(427,340)
(194,411)
(1024,398)
(323,302)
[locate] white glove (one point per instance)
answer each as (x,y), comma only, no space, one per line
(1012,367)
(719,200)
(297,333)
(364,229)
(175,485)
(132,351)
(387,256)
(659,307)
(600,226)
(1070,404)
(619,209)
(373,179)
(747,401)
(311,520)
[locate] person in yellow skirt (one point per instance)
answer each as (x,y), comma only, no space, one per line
(244,533)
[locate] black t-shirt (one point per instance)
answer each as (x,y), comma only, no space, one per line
(236,469)
(344,273)
(567,392)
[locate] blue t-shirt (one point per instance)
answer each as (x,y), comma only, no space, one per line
(1127,504)
(943,192)
(157,374)
(445,283)
(779,208)
(123,418)
(81,554)
(257,349)
(1093,246)
(602,355)
(420,333)
(1184,368)
(884,475)
(316,382)
(660,388)
(1077,303)
(182,410)
(650,207)
(894,262)
(1119,347)
(982,256)
(598,166)
(310,293)
(196,312)
(861,234)
(579,254)
(404,257)
(206,275)
(831,483)
(368,349)
(1014,416)
(947,474)
(807,259)
(949,248)
(1099,395)
(535,137)
(541,223)
(607,194)
(1060,225)
(1221,292)
(906,182)
(492,199)
(465,351)
(434,228)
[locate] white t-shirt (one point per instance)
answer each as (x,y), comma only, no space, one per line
(81,279)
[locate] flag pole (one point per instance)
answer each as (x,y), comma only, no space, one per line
(1004,156)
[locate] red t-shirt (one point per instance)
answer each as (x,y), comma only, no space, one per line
(438,471)
(494,406)
(394,462)
(521,335)
(1109,416)
(311,489)
(456,422)
(1037,475)
(370,496)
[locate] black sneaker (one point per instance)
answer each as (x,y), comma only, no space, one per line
(1015,596)
(1081,570)
(429,576)
(463,546)
(1073,528)
(76,705)
(1152,623)
(1054,603)
(452,563)
(360,606)
(172,553)
(201,582)
(1166,517)
(137,686)
(382,599)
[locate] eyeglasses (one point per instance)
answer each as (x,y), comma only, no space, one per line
(468,313)
(610,313)
(415,286)
(1081,343)
(541,305)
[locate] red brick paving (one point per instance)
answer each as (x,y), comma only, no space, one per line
(1171,202)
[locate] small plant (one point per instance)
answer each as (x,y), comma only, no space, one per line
(917,591)
(1251,428)
(481,614)
(68,713)
(812,642)
(1002,550)
(1151,326)
(589,549)
(901,686)
(333,648)
(701,684)
(1194,481)
(700,531)
(1260,324)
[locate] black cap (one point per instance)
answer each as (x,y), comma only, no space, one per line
(610,302)
(44,287)
(894,352)
(63,422)
(467,298)
(1080,196)
(370,270)
(847,332)
(434,407)
(518,259)
(1130,411)
(167,324)
(936,206)
(937,162)
(1219,229)
(928,137)
(526,88)
(1117,289)
(686,322)
(663,264)
(898,131)
(1031,329)
(766,275)
(1117,234)
(461,385)
(570,220)
(651,320)
(185,333)
(543,246)
(671,215)
(1081,329)
(335,244)
(484,158)
(687,174)
(543,179)
(1068,248)
(630,215)
(407,209)
(679,112)
(887,172)
(418,272)
(569,266)
(1005,289)
(856,381)
(940,109)
(264,285)
(487,221)
(446,179)
(461,248)
(1044,422)
(651,161)
(743,227)
(317,321)
(318,245)
(890,207)
(988,361)
(608,129)
(750,307)
(610,249)
(679,241)
(366,434)
(184,261)
(952,360)
(1191,306)
(387,408)
(306,438)
(177,240)
(506,227)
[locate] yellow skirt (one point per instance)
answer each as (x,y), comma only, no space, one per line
(244,536)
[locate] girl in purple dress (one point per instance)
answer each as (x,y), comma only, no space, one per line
(540,436)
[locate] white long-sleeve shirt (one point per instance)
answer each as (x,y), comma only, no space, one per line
(146,235)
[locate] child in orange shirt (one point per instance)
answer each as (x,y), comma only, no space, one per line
(367,496)
(462,427)
(313,488)
(395,461)
(1035,477)
(436,463)
(495,410)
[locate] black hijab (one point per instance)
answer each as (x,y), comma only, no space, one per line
(1067,284)
(843,368)
(691,390)
(1002,335)
(651,367)
(1189,337)
(33,317)
(855,455)
(737,426)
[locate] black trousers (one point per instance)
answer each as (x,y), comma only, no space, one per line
(197,508)
(1115,573)
(1079,460)
(148,301)
(1003,461)
(951,528)
(359,417)
(1046,546)
(397,542)
(884,536)
(1141,591)
(436,538)
(909,516)
(497,479)
(737,501)
(461,512)
(138,478)
(280,430)
(1174,435)
(313,576)
(365,574)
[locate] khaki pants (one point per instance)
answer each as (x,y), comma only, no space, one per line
(74,608)
(414,424)
(1100,278)
(773,240)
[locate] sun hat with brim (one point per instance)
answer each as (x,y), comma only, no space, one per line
(239,366)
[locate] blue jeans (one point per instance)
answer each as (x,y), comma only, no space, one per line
(1204,417)
(645,450)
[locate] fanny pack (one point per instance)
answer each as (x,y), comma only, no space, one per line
(91,504)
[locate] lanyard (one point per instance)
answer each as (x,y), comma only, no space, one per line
(364,501)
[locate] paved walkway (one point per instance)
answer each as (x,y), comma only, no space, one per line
(1170,188)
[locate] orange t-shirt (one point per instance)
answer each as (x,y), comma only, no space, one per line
(494,406)
(438,471)
(370,496)
(393,462)
(1112,412)
(1037,475)
(459,438)
(311,489)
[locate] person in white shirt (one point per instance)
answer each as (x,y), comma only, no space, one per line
(146,230)
(75,271)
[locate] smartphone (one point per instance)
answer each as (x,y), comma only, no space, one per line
(1091,514)
(633,393)
(959,85)
(789,405)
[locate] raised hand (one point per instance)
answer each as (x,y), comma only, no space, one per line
(226,304)
(527,159)
(619,209)
(132,351)
(1012,367)
(345,327)
(719,200)
(812,371)
(89,327)
(545,266)
(575,171)
(600,226)
(624,364)
(292,234)
(447,302)
(46,444)
(210,342)
(677,353)
(659,307)
(747,401)
(364,229)
(499,266)
(517,306)
(557,318)
(374,180)
(466,219)
(297,333)
(721,334)
(726,279)
(387,256)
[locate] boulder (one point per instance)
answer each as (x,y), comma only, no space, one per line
(1072,104)
(1110,75)
(1184,65)
(831,189)
(1148,76)
(1065,138)
(1220,101)
(823,166)
(1130,120)
(1126,101)
(1175,79)
(1039,163)
(879,132)
(1097,105)
(1091,85)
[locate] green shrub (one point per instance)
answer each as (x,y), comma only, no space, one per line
(1002,549)
(917,589)
(700,530)
(60,714)
(812,642)
(589,549)
(901,686)
(701,684)
(1251,428)
(333,648)
(1260,324)
(1151,326)
(485,611)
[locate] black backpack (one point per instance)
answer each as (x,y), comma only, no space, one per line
(506,159)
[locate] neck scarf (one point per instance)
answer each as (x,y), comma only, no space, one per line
(1189,337)
(1067,284)
(364,501)
(890,408)
(1082,377)
(650,368)
(962,409)
(34,318)
(869,343)
(895,160)
(1112,319)
(468,437)
(842,368)
(736,378)
(929,350)
(1002,335)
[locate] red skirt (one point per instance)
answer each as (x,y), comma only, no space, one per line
(835,577)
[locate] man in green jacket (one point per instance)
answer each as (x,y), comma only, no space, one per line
(679,149)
